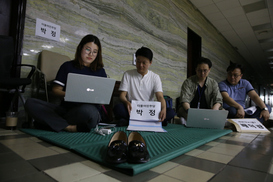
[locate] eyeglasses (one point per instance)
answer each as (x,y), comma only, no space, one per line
(234,75)
(89,51)
(202,71)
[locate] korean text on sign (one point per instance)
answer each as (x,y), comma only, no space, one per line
(145,110)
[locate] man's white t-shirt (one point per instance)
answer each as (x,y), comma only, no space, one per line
(138,87)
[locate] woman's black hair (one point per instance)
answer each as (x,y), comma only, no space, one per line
(97,63)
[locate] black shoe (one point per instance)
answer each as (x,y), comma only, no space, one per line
(137,149)
(117,148)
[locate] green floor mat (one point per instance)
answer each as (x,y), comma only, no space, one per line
(161,146)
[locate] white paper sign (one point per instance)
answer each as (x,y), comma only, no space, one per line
(251,110)
(154,126)
(145,110)
(250,124)
(144,116)
(47,30)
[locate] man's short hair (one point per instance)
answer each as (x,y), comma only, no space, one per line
(233,66)
(145,52)
(203,60)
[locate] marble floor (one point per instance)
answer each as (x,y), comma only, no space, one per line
(234,157)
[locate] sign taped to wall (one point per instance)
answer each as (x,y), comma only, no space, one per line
(47,30)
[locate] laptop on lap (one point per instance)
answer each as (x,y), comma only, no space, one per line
(206,118)
(89,89)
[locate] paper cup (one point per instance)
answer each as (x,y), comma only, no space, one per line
(11,119)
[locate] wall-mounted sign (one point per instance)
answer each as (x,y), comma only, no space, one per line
(47,30)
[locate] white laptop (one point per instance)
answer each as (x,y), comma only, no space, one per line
(206,118)
(89,89)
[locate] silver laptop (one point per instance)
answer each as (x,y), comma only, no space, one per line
(89,89)
(206,118)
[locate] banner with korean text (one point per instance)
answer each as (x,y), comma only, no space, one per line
(145,116)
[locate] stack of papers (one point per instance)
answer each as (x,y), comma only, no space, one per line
(251,110)
(145,116)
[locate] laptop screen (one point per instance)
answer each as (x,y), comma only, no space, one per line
(206,118)
(89,89)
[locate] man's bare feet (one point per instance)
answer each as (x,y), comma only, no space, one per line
(71,128)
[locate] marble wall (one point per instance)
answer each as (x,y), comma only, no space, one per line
(123,26)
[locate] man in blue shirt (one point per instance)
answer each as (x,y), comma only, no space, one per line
(234,91)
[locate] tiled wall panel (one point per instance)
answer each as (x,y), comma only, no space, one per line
(125,25)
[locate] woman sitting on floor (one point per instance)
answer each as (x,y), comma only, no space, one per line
(70,116)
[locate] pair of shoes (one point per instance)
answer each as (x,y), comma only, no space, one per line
(118,150)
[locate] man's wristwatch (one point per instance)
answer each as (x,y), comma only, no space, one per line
(265,109)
